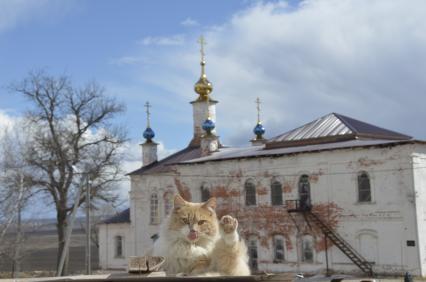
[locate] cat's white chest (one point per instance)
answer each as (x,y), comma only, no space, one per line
(180,256)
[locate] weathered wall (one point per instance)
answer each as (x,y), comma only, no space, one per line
(379,229)
(419,195)
(140,196)
(107,233)
(369,227)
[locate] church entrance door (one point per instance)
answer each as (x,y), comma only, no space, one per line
(304,193)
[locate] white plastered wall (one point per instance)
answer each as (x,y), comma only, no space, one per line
(389,220)
(107,255)
(419,195)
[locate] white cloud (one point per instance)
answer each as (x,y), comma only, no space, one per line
(133,161)
(360,58)
(189,22)
(133,154)
(6,121)
(177,39)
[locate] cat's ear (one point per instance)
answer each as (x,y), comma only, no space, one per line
(211,203)
(179,202)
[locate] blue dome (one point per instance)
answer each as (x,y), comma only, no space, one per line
(259,130)
(148,134)
(208,125)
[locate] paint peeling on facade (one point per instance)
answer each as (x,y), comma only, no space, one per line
(388,216)
(182,189)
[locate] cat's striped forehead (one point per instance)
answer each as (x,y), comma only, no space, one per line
(195,212)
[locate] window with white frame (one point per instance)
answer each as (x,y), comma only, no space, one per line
(118,246)
(250,192)
(276,193)
(307,248)
(252,252)
(364,188)
(168,203)
(278,248)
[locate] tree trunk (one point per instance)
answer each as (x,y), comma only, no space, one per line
(62,228)
(17,254)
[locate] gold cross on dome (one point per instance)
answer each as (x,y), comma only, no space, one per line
(258,108)
(202,44)
(147,106)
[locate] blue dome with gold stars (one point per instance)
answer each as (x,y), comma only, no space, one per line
(148,134)
(208,125)
(259,130)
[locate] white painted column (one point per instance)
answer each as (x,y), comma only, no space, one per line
(200,114)
(149,152)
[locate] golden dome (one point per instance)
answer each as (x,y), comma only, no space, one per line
(203,86)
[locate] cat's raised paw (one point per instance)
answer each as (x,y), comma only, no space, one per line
(228,223)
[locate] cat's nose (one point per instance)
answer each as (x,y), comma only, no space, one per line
(193,235)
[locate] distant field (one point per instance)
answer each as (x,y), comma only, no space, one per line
(41,248)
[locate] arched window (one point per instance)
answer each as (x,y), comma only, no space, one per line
(304,192)
(252,251)
(276,193)
(205,192)
(364,189)
(118,246)
(278,249)
(307,248)
(168,203)
(250,193)
(154,214)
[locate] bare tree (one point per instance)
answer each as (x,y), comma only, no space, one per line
(71,137)
(14,193)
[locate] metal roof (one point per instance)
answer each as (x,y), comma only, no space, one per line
(331,128)
(260,151)
(332,131)
(164,165)
(121,217)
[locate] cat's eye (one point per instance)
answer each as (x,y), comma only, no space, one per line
(184,220)
(201,222)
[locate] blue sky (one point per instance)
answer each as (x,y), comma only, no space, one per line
(83,38)
(361,58)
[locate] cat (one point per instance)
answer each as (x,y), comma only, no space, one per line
(194,242)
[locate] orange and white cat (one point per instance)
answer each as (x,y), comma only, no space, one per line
(194,242)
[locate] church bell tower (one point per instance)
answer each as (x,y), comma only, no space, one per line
(203,106)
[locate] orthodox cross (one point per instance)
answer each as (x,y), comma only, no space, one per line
(202,44)
(258,109)
(147,106)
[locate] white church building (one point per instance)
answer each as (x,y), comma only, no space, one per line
(336,194)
